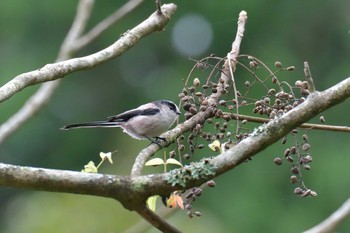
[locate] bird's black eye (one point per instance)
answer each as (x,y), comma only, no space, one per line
(173,108)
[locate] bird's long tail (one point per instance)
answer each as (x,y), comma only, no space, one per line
(93,124)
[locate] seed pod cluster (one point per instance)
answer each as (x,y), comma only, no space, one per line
(304,192)
(279,98)
(299,159)
(303,86)
(190,197)
(276,104)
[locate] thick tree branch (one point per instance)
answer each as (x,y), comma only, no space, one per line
(266,135)
(132,192)
(101,185)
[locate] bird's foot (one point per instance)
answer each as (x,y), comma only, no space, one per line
(157,141)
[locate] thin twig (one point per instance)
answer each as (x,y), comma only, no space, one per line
(143,226)
(80,21)
(308,77)
(59,70)
(271,73)
(232,56)
(235,92)
(156,220)
(330,224)
(159,9)
(304,126)
(201,116)
(105,24)
(44,93)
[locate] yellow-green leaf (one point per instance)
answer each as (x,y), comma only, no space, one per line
(155,162)
(90,168)
(107,155)
(151,202)
(215,146)
(173,161)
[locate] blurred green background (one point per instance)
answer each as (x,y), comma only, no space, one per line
(255,197)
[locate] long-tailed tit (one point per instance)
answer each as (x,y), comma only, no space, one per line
(145,122)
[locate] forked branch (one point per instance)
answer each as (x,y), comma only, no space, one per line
(59,70)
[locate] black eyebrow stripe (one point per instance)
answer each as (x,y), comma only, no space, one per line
(168,103)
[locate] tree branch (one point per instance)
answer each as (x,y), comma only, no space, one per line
(69,47)
(59,70)
(143,226)
(43,94)
(200,117)
(170,136)
(330,224)
(72,43)
(106,23)
(82,17)
(266,135)
(156,220)
(121,188)
(335,128)
(132,192)
(308,77)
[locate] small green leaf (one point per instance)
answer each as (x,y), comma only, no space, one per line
(173,161)
(155,162)
(151,202)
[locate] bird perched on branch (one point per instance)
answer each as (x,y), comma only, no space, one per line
(144,122)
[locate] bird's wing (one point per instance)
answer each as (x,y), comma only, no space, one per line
(125,116)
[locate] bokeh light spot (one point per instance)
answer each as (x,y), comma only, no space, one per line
(192,35)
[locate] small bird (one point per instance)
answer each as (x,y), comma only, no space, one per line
(145,122)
